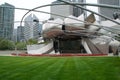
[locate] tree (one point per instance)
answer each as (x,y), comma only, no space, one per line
(6,44)
(32,41)
(21,45)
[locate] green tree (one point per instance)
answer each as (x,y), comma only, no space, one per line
(6,44)
(21,45)
(31,41)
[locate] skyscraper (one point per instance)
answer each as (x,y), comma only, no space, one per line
(6,21)
(66,10)
(20,32)
(108,11)
(31,27)
(77,11)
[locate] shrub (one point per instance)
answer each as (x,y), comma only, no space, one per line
(6,44)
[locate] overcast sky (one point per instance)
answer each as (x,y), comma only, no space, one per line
(35,3)
(27,4)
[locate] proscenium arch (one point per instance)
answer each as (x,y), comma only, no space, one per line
(86,4)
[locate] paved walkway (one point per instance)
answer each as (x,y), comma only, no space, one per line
(8,53)
(110,54)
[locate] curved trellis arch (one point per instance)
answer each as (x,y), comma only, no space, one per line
(74,4)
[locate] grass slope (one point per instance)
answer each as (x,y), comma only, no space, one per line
(59,68)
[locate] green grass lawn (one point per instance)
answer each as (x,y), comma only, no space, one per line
(59,68)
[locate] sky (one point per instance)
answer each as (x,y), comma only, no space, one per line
(30,4)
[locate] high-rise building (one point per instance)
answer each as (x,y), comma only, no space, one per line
(108,11)
(66,10)
(77,11)
(15,35)
(20,32)
(31,27)
(6,21)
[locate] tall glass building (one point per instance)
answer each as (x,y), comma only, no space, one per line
(66,10)
(6,21)
(31,27)
(20,32)
(108,11)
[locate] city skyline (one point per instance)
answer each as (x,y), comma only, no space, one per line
(29,5)
(33,4)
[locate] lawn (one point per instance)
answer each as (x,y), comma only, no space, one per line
(59,68)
